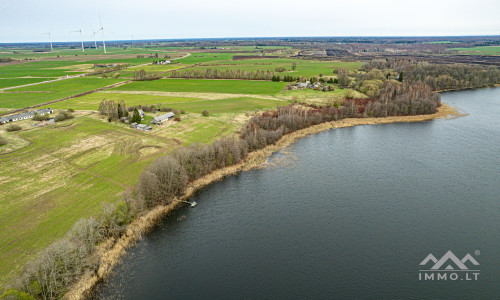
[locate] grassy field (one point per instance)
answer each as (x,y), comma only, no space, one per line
(67,52)
(441,42)
(91,101)
(230,105)
(40,69)
(206,86)
(311,96)
(150,69)
(10,82)
(36,94)
(189,104)
(68,170)
(199,57)
(486,50)
(197,129)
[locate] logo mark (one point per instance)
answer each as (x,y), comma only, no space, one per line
(449,256)
(449,262)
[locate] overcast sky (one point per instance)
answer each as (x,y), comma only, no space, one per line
(27,20)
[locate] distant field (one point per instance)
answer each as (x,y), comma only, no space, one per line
(198,57)
(150,69)
(230,105)
(304,68)
(61,68)
(51,91)
(66,52)
(39,69)
(486,50)
(441,42)
(206,86)
(91,101)
(8,82)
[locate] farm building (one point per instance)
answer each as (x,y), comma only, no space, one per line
(303,85)
(162,62)
(25,115)
(141,113)
(43,111)
(163,118)
(142,127)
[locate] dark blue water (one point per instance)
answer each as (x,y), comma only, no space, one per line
(352,217)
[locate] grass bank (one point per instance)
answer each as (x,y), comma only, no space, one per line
(110,252)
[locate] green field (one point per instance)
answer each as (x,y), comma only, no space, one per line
(230,105)
(40,69)
(10,82)
(206,86)
(150,69)
(486,50)
(67,173)
(70,169)
(67,52)
(199,57)
(441,42)
(91,101)
(36,94)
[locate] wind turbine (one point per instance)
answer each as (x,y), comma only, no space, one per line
(93,34)
(81,37)
(102,31)
(50,40)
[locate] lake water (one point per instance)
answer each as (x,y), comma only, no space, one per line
(351,217)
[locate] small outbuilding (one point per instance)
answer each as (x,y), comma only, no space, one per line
(141,113)
(144,127)
(25,115)
(163,118)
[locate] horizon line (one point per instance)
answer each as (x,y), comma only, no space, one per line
(263,37)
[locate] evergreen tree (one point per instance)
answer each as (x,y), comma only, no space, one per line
(136,118)
(400,79)
(120,113)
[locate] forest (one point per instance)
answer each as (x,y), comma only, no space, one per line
(437,76)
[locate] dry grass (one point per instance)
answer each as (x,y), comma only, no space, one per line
(201,96)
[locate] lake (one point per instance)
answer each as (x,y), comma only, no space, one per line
(347,213)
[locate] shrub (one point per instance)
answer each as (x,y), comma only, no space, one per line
(71,110)
(63,115)
(205,113)
(177,119)
(3,141)
(350,94)
(183,111)
(13,127)
(38,117)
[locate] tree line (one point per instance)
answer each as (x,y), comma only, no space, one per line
(223,74)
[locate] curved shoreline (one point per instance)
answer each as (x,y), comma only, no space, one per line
(110,252)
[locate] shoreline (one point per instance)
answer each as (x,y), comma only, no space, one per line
(110,252)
